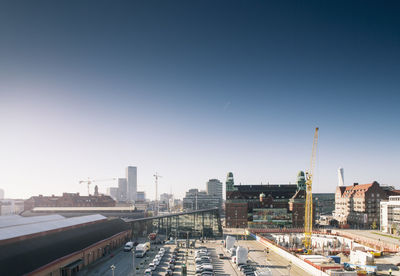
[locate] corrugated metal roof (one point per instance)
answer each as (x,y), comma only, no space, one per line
(14,220)
(43,226)
(63,209)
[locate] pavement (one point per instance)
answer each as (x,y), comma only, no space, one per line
(374,234)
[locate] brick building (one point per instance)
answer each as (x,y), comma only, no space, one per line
(265,206)
(69,200)
(359,205)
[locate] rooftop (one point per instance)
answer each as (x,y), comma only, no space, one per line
(15,231)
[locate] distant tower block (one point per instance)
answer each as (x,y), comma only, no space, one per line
(341,177)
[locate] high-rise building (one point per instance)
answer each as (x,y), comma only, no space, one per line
(113,192)
(131,178)
(214,188)
(122,190)
(340,177)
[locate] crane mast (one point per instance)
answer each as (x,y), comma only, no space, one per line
(308,220)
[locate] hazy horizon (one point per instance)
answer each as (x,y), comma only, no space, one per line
(196,89)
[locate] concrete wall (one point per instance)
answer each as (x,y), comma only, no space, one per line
(295,260)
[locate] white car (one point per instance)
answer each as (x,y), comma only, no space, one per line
(152,266)
(156,261)
(148,272)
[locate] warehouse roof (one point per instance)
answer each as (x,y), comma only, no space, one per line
(24,256)
(84,209)
(14,220)
(44,226)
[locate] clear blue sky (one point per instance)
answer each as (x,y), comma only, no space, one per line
(194,89)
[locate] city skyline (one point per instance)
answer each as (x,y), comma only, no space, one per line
(194,91)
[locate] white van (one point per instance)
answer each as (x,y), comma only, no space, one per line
(128,246)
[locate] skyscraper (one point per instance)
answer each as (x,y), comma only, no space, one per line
(214,188)
(122,190)
(340,177)
(131,179)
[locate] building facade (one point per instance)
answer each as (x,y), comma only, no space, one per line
(69,200)
(358,206)
(141,196)
(324,204)
(265,206)
(390,215)
(122,190)
(131,179)
(199,200)
(11,206)
(214,188)
(113,192)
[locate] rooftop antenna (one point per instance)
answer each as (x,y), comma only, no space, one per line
(156,176)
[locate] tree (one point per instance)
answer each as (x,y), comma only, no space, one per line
(374,226)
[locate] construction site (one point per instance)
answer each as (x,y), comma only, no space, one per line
(328,252)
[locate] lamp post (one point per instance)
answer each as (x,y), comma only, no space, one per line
(133,261)
(289,267)
(237,226)
(112,269)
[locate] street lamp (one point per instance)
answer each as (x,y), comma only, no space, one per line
(112,269)
(289,267)
(133,261)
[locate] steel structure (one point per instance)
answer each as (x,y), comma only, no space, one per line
(157,176)
(308,220)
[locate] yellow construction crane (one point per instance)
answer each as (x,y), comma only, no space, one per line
(89,181)
(308,220)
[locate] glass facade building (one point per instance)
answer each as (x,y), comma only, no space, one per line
(194,224)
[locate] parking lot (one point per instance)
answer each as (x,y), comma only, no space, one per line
(257,256)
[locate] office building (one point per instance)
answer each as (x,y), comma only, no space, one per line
(214,188)
(324,204)
(390,215)
(199,200)
(131,179)
(265,205)
(113,192)
(122,190)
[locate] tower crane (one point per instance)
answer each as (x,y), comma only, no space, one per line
(308,219)
(90,181)
(157,176)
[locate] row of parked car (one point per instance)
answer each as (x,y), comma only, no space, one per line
(203,262)
(156,261)
(246,270)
